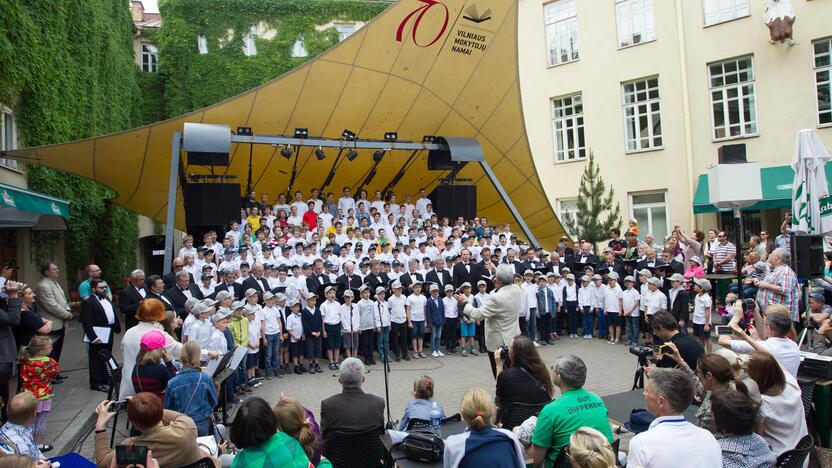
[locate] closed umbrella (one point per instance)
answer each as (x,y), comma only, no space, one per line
(811,207)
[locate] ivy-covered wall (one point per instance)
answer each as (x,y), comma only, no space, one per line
(67,69)
(191,81)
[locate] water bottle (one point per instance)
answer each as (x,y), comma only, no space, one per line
(435,419)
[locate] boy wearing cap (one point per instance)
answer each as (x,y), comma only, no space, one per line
(415,311)
(313,326)
(467,327)
(382,320)
(600,295)
(546,307)
(702,309)
(656,301)
(350,324)
(218,342)
(630,310)
(206,285)
(480,299)
(435,312)
(450,328)
(560,318)
(253,352)
(528,316)
(273,327)
(367,324)
(613,296)
(679,301)
(294,325)
(200,329)
(398,322)
(331,313)
(586,303)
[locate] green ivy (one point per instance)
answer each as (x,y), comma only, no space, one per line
(191,81)
(67,69)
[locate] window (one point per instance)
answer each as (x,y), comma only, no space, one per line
(567,208)
(650,210)
(8,136)
(568,122)
(299,48)
(636,23)
(732,98)
(561,18)
(150,55)
(823,77)
(642,115)
(202,44)
(345,30)
(718,11)
(249,47)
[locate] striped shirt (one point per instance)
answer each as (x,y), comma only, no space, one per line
(783,277)
(720,252)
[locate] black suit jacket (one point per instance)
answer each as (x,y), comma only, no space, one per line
(462,275)
(152,295)
(408,279)
(314,282)
(591,259)
(170,279)
(128,301)
(234,289)
(375,281)
(178,298)
(261,286)
(679,308)
(353,282)
(92,315)
(351,410)
(519,267)
(433,277)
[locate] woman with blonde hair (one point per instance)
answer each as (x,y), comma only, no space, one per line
(300,424)
(588,448)
(482,444)
(191,392)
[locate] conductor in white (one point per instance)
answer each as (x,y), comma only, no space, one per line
(499,313)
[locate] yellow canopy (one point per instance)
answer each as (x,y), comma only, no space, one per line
(423,67)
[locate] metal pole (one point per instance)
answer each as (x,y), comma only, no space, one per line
(509,204)
(170,220)
(738,257)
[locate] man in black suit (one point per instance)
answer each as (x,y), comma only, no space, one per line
(129,298)
(181,292)
(97,312)
(349,279)
(155,287)
(227,284)
(585,255)
(611,263)
(675,266)
(351,410)
(376,277)
(317,278)
(466,271)
(511,260)
(170,277)
(439,275)
(257,281)
(412,276)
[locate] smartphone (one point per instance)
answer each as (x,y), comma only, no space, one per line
(724,330)
(118,406)
(662,349)
(135,455)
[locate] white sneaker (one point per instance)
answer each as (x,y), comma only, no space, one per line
(536,344)
(434,354)
(439,353)
(587,337)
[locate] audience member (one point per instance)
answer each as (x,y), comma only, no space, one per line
(734,417)
(191,392)
(149,374)
(483,444)
(352,409)
(671,440)
(17,430)
(31,323)
(299,423)
(666,328)
(772,338)
(9,318)
(254,430)
(53,305)
(421,405)
(149,313)
(525,380)
(780,285)
(588,448)
(37,371)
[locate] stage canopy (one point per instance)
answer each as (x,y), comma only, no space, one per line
(422,67)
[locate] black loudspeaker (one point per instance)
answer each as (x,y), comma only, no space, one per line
(212,204)
(807,256)
(452,201)
(729,154)
(440,161)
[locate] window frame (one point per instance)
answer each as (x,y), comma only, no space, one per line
(577,129)
(546,25)
(705,23)
(618,24)
(11,164)
(648,102)
(724,87)
(650,206)
(344,23)
(249,41)
(150,54)
(560,212)
(828,69)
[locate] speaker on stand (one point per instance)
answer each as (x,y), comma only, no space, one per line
(807,263)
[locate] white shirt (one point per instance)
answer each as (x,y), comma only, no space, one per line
(331,311)
(701,303)
(784,349)
(656,301)
(396,306)
(586,295)
(451,307)
(108,310)
(530,293)
(254,334)
(294,325)
(421,204)
(673,442)
(346,203)
(631,297)
(416,304)
(218,342)
(271,317)
(600,294)
(382,315)
(785,423)
(612,296)
(350,318)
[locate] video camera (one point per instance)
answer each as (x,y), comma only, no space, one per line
(644,353)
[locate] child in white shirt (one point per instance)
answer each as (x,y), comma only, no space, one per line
(398,323)
(586,301)
(294,325)
(702,312)
(272,328)
(415,310)
(612,307)
(382,320)
(630,299)
(350,324)
(253,353)
(601,317)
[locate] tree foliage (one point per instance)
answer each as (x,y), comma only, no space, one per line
(594,201)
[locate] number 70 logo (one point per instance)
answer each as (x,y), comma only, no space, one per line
(419,14)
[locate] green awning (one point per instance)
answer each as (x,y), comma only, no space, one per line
(21,208)
(776,183)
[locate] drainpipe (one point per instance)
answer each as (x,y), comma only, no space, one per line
(683,69)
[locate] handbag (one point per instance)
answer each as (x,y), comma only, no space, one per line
(423,446)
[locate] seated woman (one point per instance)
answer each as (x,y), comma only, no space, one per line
(780,419)
(254,430)
(149,374)
(734,423)
(588,448)
(298,422)
(420,407)
(526,380)
(483,444)
(192,392)
(171,436)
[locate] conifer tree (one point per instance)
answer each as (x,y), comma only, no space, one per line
(594,201)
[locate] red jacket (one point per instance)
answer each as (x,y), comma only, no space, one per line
(37,375)
(312,218)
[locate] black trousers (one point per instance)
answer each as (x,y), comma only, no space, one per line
(524,326)
(398,338)
(493,362)
(480,333)
(543,327)
(57,343)
(97,365)
(365,344)
(451,332)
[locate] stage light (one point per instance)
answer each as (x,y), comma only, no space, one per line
(429,139)
(319,153)
(286,152)
(244,131)
(352,154)
(377,155)
(302,133)
(391,136)
(348,135)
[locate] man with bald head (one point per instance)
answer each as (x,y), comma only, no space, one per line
(350,279)
(257,281)
(439,275)
(92,272)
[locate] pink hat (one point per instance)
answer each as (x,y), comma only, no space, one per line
(153,339)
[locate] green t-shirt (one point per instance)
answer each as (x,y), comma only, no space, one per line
(561,418)
(280,451)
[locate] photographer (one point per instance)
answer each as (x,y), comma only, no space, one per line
(521,377)
(666,328)
(772,338)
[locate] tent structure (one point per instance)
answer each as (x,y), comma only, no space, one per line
(422,67)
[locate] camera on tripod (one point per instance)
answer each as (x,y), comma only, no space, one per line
(644,353)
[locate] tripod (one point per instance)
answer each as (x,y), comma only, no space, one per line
(638,377)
